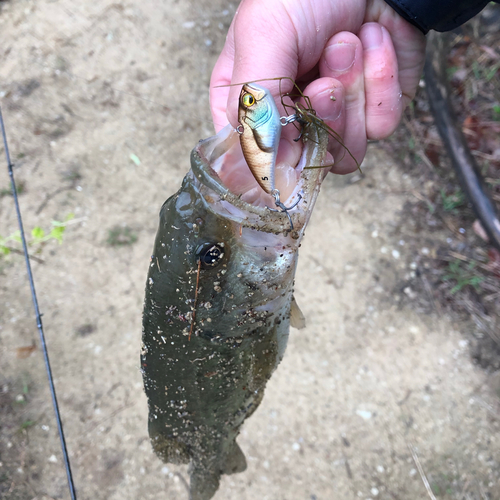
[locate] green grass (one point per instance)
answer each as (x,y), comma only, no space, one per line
(452,201)
(119,236)
(462,274)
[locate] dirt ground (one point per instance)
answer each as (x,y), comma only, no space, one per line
(103,102)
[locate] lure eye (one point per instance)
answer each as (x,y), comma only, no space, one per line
(248,100)
(210,254)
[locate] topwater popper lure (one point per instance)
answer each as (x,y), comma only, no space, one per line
(260,132)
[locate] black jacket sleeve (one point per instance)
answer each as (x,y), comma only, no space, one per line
(439,15)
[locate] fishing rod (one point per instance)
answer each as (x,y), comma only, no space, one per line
(38,315)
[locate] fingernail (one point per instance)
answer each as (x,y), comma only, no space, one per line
(328,104)
(371,36)
(339,57)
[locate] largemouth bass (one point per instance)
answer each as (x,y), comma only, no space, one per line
(218,305)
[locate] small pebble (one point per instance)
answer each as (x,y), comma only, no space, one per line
(53,459)
(364,414)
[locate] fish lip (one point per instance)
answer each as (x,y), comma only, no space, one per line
(208,183)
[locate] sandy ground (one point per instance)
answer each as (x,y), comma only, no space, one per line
(83,87)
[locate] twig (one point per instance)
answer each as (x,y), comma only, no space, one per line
(418,143)
(428,289)
(193,316)
(33,257)
(49,196)
(464,258)
(421,471)
(421,197)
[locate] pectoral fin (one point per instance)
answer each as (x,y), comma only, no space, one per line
(297,319)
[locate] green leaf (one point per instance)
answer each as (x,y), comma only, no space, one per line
(496,112)
(492,72)
(38,233)
(27,424)
(57,233)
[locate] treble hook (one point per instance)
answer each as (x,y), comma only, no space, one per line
(281,207)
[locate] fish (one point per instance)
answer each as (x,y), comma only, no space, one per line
(260,135)
(218,306)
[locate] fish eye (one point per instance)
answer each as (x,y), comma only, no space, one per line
(248,100)
(210,254)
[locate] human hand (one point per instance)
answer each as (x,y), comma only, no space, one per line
(360,52)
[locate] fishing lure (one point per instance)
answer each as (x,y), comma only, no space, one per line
(260,132)
(304,116)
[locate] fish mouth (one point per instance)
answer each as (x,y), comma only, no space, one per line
(237,176)
(229,188)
